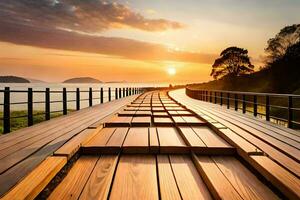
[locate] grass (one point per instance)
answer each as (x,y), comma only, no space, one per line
(18,123)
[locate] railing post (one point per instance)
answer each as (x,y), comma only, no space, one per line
(29,107)
(120,93)
(228,100)
(77,99)
(109,94)
(65,101)
(123,92)
(210,96)
(255,105)
(290,112)
(267,108)
(244,103)
(6,110)
(236,105)
(221,98)
(101,95)
(116,93)
(126,92)
(90,97)
(215,97)
(47,104)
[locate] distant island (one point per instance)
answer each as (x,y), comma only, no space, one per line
(13,79)
(82,80)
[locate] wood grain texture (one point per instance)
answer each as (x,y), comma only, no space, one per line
(37,180)
(244,181)
(210,138)
(119,121)
(101,138)
(135,178)
(98,185)
(73,145)
(240,143)
(189,182)
(163,121)
(141,121)
(72,185)
(286,182)
(191,137)
(167,183)
(137,141)
(215,180)
(170,140)
(153,140)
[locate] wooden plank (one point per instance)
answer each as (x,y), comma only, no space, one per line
(115,142)
(140,113)
(118,121)
(137,141)
(244,182)
(280,157)
(158,109)
(141,121)
(192,120)
(101,138)
(191,137)
(218,125)
(167,183)
(179,120)
(127,113)
(287,183)
(171,141)
(175,108)
(160,114)
(153,140)
(72,185)
(135,178)
(210,138)
(287,149)
(73,145)
(218,184)
(98,185)
(189,182)
(163,121)
(37,180)
(240,143)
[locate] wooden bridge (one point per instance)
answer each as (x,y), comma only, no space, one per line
(158,145)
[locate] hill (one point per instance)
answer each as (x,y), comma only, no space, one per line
(13,79)
(82,80)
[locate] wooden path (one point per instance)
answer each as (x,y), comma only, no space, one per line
(161,145)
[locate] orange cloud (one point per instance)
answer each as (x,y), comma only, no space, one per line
(88,16)
(74,41)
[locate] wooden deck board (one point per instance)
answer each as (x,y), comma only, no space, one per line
(73,184)
(135,178)
(35,182)
(137,141)
(189,182)
(170,140)
(167,183)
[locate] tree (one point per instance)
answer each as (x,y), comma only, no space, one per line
(233,62)
(277,46)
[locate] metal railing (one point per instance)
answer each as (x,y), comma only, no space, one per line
(7,103)
(283,109)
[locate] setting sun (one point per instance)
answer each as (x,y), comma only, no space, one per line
(171,71)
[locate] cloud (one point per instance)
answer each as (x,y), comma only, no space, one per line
(75,25)
(73,41)
(80,15)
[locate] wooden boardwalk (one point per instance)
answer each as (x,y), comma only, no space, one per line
(161,145)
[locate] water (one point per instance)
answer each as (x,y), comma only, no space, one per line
(22,97)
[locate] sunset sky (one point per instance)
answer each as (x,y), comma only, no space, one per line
(134,40)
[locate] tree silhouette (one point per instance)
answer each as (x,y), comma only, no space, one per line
(277,46)
(233,61)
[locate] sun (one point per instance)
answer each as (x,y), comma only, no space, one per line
(171,71)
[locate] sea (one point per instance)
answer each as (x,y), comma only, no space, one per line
(19,99)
